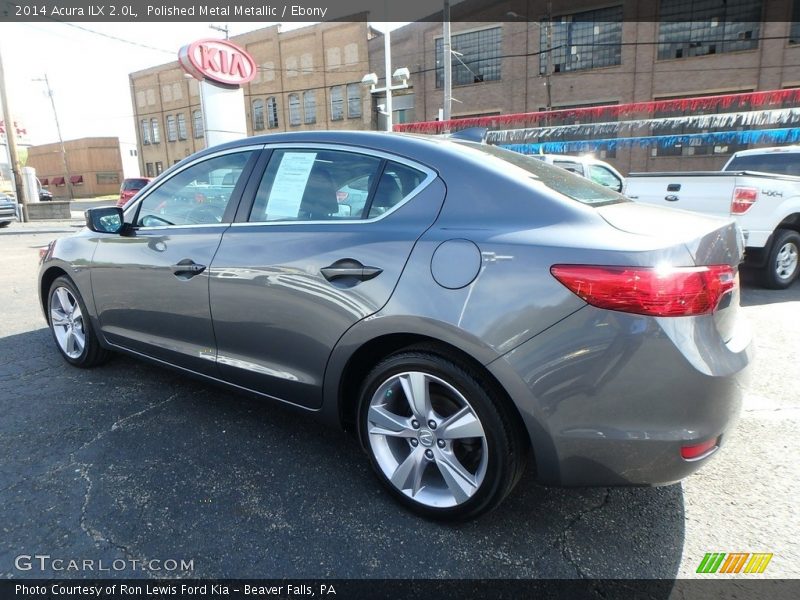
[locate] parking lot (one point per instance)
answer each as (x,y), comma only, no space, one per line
(134,462)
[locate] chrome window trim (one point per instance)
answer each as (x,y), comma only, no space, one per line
(135,206)
(430,175)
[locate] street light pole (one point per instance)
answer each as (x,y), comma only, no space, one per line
(387,54)
(67,182)
(448,63)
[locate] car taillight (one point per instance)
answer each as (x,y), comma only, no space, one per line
(743,199)
(672,292)
(696,451)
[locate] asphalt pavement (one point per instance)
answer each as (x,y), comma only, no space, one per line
(136,463)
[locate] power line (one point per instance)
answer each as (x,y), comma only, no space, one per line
(115,38)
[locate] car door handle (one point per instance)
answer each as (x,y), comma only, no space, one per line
(671,198)
(187,268)
(349,268)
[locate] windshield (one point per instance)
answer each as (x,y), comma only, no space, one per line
(557,179)
(784,163)
(134,184)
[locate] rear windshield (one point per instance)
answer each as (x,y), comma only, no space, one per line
(560,180)
(133,184)
(784,163)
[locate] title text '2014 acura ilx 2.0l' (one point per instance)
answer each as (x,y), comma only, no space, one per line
(471,311)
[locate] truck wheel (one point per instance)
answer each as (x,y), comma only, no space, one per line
(782,264)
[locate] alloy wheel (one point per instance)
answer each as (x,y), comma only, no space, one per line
(786,261)
(66,319)
(427,439)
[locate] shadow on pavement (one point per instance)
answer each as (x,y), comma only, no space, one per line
(137,462)
(753,294)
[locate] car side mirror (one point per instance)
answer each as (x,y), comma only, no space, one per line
(105,219)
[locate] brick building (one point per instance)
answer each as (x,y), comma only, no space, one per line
(308,78)
(547,55)
(94,165)
(603,53)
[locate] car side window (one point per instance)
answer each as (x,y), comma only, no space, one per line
(605,177)
(197,195)
(569,165)
(397,182)
(314,185)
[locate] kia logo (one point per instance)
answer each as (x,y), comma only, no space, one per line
(220,61)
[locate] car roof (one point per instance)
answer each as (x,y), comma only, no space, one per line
(391,142)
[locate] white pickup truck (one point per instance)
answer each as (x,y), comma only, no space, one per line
(759,188)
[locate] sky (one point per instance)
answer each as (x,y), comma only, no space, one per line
(88,72)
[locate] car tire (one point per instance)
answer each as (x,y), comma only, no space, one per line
(4,224)
(783,263)
(71,326)
(451,457)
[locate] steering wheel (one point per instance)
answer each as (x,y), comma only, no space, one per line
(203,215)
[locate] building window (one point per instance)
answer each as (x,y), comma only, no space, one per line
(794,30)
(337,103)
(310,107)
(172,129)
(145,132)
(197,123)
(294,109)
(585,40)
(156,131)
(478,59)
(149,169)
(107,178)
(353,100)
(272,112)
(181,126)
(159,167)
(695,147)
(699,27)
(258,114)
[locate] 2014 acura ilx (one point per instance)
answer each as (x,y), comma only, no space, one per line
(479,309)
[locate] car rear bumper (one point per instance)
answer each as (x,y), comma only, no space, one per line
(611,398)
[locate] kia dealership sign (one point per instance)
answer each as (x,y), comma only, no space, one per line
(218,61)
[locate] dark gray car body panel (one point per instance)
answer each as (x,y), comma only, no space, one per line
(606,397)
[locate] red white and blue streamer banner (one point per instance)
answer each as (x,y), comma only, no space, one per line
(788,135)
(610,112)
(762,119)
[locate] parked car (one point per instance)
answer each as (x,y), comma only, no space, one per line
(8,210)
(130,187)
(483,308)
(760,188)
(44,194)
(588,167)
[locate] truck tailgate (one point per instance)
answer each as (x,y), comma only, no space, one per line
(703,192)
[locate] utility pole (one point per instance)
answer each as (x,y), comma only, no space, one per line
(549,64)
(11,140)
(223,29)
(67,182)
(448,63)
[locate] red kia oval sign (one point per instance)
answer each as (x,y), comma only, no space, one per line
(220,61)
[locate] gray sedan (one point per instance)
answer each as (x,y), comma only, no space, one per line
(481,311)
